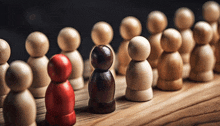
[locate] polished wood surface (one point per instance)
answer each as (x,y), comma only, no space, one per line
(195,104)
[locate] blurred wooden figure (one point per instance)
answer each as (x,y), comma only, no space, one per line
(129,28)
(68,41)
(156,23)
(211,13)
(170,64)
(202,58)
(217,51)
(139,76)
(5,52)
(184,19)
(37,46)
(102,83)
(102,34)
(19,107)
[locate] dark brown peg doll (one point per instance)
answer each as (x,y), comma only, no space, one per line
(101,83)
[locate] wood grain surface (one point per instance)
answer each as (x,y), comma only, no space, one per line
(195,104)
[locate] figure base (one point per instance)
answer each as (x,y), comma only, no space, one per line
(101,108)
(16,124)
(172,85)
(201,76)
(134,95)
(65,120)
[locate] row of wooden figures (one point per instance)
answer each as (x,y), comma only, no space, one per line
(20,108)
(161,52)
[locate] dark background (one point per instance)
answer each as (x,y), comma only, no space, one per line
(21,17)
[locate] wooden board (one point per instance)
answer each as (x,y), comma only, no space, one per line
(195,104)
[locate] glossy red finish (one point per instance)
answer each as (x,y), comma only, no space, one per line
(60,97)
(59,68)
(60,102)
(67,120)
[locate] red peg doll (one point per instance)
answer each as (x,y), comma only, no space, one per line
(60,97)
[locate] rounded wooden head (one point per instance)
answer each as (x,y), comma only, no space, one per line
(156,22)
(202,33)
(59,68)
(68,39)
(19,76)
(171,40)
(139,48)
(5,51)
(37,44)
(102,33)
(101,57)
(184,18)
(210,11)
(130,27)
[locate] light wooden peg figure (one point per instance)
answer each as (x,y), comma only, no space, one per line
(129,28)
(37,45)
(5,52)
(139,76)
(211,13)
(202,58)
(170,64)
(102,34)
(68,41)
(19,108)
(217,51)
(156,23)
(184,19)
